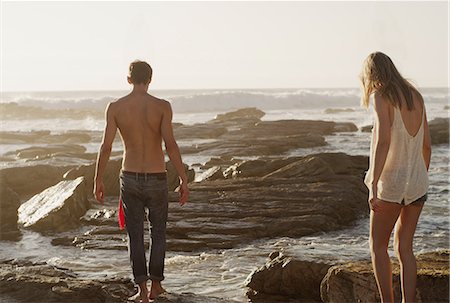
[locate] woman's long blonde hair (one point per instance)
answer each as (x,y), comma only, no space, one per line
(380,74)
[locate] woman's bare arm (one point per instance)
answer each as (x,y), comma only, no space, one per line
(426,150)
(384,140)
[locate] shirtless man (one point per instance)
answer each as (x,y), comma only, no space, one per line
(143,122)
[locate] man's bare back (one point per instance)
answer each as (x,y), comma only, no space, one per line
(144,122)
(139,119)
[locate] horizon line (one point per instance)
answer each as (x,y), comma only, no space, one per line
(197,89)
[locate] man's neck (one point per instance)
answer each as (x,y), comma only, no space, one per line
(140,89)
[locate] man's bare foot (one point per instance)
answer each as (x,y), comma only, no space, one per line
(156,290)
(143,292)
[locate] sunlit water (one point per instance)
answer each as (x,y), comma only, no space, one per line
(222,273)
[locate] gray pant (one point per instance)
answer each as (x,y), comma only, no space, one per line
(140,191)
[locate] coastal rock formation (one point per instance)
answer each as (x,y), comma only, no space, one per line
(286,277)
(242,133)
(57,208)
(265,138)
(9,203)
(13,111)
(220,124)
(271,203)
(110,177)
(212,173)
(355,282)
(44,152)
(27,181)
(38,282)
(24,281)
(439,130)
(247,115)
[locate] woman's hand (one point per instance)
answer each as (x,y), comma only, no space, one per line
(375,204)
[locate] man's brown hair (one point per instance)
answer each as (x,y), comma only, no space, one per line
(140,72)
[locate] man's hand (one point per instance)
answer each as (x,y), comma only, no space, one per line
(184,193)
(99,191)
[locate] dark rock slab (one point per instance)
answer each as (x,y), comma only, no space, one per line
(25,281)
(439,130)
(9,203)
(39,282)
(45,152)
(355,282)
(29,180)
(228,212)
(286,277)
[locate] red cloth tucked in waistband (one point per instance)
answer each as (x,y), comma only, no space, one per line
(121,215)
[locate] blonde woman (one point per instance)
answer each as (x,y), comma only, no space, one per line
(397,179)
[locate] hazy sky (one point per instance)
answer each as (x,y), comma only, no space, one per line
(88,46)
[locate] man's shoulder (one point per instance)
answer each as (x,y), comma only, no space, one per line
(159,101)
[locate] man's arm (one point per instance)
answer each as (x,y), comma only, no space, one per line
(104,153)
(174,152)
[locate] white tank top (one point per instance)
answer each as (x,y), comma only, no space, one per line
(404,176)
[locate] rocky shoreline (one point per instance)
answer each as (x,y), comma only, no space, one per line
(250,189)
(24,281)
(286,279)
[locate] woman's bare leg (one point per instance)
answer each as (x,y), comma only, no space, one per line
(403,243)
(381,224)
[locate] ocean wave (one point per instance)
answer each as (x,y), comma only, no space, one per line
(201,101)
(11,111)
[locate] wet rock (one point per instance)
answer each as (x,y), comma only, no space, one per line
(44,136)
(228,212)
(44,152)
(110,177)
(57,208)
(345,127)
(439,130)
(284,276)
(212,173)
(13,111)
(355,282)
(173,180)
(257,168)
(22,137)
(310,166)
(199,131)
(25,281)
(188,298)
(37,282)
(242,133)
(9,203)
(265,138)
(338,110)
(223,162)
(248,115)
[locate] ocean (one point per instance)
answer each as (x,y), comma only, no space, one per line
(222,273)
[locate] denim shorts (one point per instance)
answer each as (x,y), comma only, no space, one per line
(417,201)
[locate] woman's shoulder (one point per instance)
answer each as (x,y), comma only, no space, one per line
(380,101)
